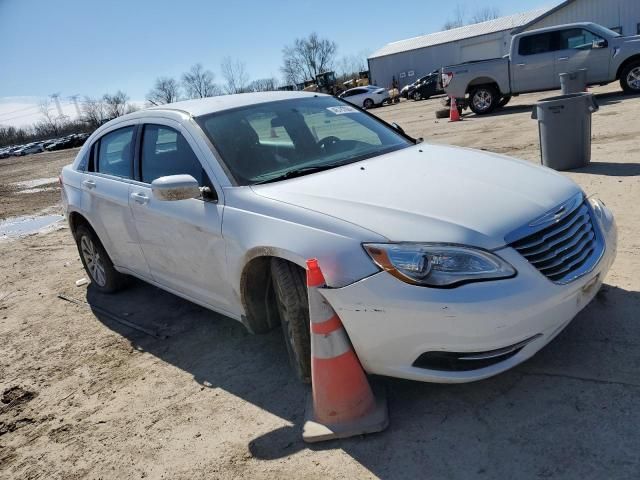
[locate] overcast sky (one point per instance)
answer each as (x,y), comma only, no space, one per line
(89,47)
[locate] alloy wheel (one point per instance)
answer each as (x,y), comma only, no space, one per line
(93,260)
(482,100)
(633,78)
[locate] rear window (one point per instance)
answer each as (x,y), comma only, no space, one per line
(115,153)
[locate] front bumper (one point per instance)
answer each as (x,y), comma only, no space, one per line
(391,324)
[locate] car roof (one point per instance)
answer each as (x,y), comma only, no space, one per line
(203,106)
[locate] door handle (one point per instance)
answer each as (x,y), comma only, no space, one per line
(140,198)
(522,64)
(89,184)
(563,59)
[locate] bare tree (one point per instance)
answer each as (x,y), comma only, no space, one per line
(458,20)
(485,14)
(52,122)
(199,83)
(235,75)
(93,112)
(263,85)
(115,105)
(307,57)
(165,90)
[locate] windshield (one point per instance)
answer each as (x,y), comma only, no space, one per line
(269,141)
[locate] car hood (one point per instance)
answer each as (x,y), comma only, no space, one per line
(431,193)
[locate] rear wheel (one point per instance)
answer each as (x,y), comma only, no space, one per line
(417,96)
(97,263)
(368,103)
(291,296)
(483,99)
(630,77)
(504,101)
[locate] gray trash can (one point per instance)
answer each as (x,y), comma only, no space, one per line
(573,82)
(564,124)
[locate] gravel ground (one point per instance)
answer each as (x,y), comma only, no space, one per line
(82,396)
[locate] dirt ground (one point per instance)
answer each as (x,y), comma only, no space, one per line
(82,396)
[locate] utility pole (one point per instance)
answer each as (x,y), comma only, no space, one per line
(74,99)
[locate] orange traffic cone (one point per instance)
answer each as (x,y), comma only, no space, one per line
(454,114)
(342,402)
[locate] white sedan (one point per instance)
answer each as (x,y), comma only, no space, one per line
(444,264)
(365,97)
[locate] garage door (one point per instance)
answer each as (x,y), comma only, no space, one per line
(482,51)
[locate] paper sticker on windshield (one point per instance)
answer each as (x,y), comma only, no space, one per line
(342,110)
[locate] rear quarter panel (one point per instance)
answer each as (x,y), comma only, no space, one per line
(478,73)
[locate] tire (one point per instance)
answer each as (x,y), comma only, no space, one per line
(504,101)
(104,277)
(417,96)
(443,113)
(368,103)
(483,99)
(630,77)
(291,296)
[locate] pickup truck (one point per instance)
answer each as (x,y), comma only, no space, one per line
(536,60)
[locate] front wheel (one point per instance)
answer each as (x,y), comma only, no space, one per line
(293,305)
(368,103)
(630,78)
(417,96)
(483,99)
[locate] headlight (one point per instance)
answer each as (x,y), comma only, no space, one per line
(437,265)
(602,213)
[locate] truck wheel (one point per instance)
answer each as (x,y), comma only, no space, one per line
(97,263)
(368,103)
(504,101)
(483,99)
(293,305)
(630,78)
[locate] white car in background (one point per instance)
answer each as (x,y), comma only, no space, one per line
(365,97)
(444,264)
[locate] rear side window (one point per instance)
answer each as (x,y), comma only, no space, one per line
(537,44)
(165,152)
(115,153)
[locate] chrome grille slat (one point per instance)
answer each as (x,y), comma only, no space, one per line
(578,239)
(566,249)
(570,234)
(570,221)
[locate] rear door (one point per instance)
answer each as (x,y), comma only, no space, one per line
(533,63)
(105,197)
(181,240)
(576,51)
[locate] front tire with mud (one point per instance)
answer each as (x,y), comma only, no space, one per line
(290,287)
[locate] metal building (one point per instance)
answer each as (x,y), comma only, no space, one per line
(406,60)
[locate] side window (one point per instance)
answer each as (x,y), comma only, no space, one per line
(576,39)
(114,153)
(166,152)
(536,44)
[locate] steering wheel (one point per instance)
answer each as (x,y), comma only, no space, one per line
(327,141)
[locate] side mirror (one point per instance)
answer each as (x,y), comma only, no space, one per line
(175,187)
(600,43)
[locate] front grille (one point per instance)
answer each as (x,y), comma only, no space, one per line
(566,250)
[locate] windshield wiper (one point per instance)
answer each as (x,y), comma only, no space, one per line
(299,172)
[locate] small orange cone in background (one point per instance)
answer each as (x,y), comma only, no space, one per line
(454,114)
(342,403)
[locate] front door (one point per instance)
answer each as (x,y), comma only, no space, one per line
(576,51)
(181,240)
